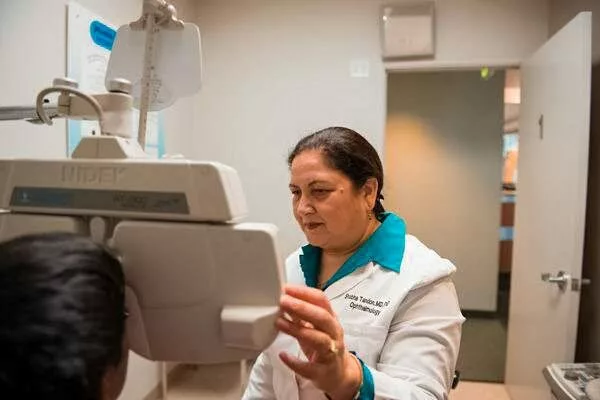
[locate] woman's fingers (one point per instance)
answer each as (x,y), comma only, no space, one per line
(295,320)
(305,369)
(307,337)
(311,313)
(310,295)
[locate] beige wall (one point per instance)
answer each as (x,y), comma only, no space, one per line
(275,71)
(588,343)
(33,53)
(485,32)
(443,164)
(278,69)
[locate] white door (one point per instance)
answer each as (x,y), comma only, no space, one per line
(550,212)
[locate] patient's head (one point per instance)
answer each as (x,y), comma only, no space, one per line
(62,319)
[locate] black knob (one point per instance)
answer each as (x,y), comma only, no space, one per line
(571,375)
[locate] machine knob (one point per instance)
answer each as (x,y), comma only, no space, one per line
(120,85)
(571,375)
(72,83)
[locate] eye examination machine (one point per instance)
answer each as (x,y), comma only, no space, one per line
(202,286)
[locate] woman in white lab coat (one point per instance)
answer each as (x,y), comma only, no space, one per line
(369,312)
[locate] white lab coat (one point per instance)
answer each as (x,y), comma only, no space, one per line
(405,326)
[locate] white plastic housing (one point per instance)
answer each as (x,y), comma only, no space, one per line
(177,63)
(108,147)
(175,190)
(183,281)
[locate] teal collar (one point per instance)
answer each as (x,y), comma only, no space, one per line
(384,247)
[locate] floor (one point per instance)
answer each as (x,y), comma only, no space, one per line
(197,384)
(479,391)
(482,356)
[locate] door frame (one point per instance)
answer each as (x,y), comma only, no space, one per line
(436,66)
(441,66)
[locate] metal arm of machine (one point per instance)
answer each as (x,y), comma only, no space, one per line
(27,113)
(109,109)
(113,111)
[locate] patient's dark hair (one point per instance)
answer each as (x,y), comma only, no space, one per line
(62,308)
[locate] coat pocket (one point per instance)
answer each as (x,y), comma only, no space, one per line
(365,340)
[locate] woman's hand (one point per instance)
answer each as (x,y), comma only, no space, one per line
(330,367)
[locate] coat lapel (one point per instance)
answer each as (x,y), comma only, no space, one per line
(343,286)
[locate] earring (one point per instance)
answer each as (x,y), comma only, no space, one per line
(370,215)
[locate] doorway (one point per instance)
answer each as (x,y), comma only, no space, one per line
(451,153)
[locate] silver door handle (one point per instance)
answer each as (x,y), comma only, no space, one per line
(561,279)
(558,279)
(576,284)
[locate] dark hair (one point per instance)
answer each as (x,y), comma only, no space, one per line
(348,152)
(62,317)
